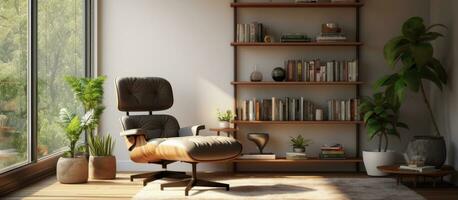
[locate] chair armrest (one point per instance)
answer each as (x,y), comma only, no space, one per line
(133,132)
(191,130)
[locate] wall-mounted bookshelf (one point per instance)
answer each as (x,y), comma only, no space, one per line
(284,44)
(240,84)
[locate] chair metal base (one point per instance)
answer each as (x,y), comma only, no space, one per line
(189,183)
(152,176)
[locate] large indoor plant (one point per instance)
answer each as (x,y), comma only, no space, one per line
(411,55)
(89,92)
(102,163)
(381,121)
(72,168)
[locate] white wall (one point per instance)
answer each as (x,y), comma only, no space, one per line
(445,103)
(187,42)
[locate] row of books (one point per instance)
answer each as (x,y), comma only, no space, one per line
(343,110)
(253,32)
(332,152)
(320,71)
(276,109)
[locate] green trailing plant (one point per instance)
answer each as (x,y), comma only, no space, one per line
(74,125)
(101,145)
(380,118)
(411,54)
(300,142)
(225,116)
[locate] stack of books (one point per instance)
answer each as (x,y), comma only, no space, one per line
(321,71)
(418,169)
(344,110)
(332,152)
(295,38)
(253,32)
(296,156)
(276,109)
(331,32)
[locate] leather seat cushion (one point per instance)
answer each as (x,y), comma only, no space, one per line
(199,148)
(146,152)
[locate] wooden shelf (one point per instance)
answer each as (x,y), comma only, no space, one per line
(297,122)
(309,160)
(273,83)
(296,5)
(285,44)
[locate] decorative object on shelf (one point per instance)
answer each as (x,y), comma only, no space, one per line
(278,74)
(260,139)
(3,120)
(381,120)
(414,51)
(297,37)
(319,114)
(256,75)
(225,118)
(414,161)
(331,32)
(299,143)
(269,39)
(102,163)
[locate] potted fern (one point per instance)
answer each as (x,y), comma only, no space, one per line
(102,163)
(225,118)
(412,55)
(71,167)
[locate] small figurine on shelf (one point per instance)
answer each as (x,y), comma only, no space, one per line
(225,118)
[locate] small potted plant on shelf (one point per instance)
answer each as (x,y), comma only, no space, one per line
(102,163)
(72,168)
(381,120)
(412,55)
(299,143)
(225,118)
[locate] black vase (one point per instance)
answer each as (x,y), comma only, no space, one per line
(278,74)
(432,148)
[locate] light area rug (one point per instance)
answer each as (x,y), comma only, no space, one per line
(289,187)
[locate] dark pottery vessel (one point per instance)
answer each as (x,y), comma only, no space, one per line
(278,74)
(432,148)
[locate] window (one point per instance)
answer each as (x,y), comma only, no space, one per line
(13,83)
(61,53)
(59,42)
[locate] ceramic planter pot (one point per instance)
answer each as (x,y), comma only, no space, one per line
(374,159)
(299,150)
(224,124)
(432,148)
(102,167)
(72,170)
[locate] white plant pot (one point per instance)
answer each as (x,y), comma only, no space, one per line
(224,124)
(373,159)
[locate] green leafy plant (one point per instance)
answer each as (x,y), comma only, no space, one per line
(225,116)
(89,91)
(300,142)
(74,125)
(412,55)
(380,118)
(101,145)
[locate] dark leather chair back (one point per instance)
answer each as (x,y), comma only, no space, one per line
(144,94)
(147,94)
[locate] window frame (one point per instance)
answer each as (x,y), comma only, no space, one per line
(35,169)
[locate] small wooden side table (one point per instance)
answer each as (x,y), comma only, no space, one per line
(394,169)
(228,131)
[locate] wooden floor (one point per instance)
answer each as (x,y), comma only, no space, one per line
(122,188)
